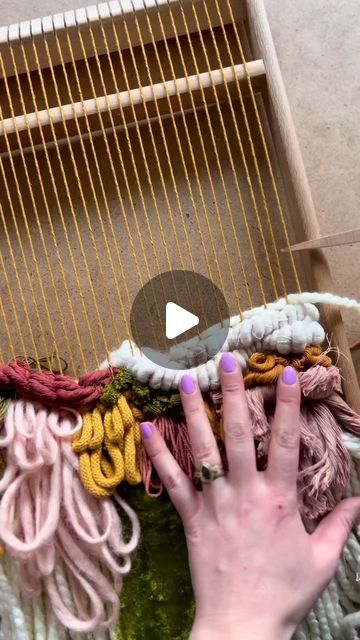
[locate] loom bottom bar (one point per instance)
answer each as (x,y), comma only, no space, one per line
(131,103)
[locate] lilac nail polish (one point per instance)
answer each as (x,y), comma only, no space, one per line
(188,384)
(228,362)
(289,375)
(146,430)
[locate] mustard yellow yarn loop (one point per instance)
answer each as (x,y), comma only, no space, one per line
(109,447)
(110,474)
(265,368)
(92,433)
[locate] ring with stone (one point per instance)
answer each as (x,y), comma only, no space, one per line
(209,472)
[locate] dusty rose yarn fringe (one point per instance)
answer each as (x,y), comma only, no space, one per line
(324,460)
(53,388)
(51,526)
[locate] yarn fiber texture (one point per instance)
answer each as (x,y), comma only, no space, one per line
(65,538)
(63,542)
(263,368)
(53,388)
(109,446)
(157,597)
(282,327)
(111,451)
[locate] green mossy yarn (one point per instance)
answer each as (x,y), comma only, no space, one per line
(152,402)
(157,600)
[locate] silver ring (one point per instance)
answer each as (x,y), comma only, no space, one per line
(209,472)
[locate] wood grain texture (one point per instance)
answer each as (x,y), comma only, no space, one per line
(332,240)
(298,191)
(144,9)
(165,95)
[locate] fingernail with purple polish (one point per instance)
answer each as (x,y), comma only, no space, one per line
(188,384)
(289,375)
(228,362)
(146,430)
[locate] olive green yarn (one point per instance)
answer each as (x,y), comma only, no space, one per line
(151,402)
(157,601)
(4,405)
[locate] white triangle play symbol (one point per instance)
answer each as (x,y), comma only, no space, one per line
(178,320)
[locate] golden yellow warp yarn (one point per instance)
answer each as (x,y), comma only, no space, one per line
(109,448)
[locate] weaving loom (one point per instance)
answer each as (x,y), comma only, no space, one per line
(139,137)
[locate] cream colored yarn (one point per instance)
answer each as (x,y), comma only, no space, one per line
(288,325)
(24,619)
(336,615)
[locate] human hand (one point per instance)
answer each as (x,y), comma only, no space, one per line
(255,570)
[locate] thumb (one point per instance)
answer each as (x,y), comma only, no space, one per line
(335,528)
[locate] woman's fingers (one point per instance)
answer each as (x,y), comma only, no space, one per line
(240,448)
(180,488)
(284,447)
(333,531)
(203,442)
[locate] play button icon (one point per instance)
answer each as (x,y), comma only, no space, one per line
(178,320)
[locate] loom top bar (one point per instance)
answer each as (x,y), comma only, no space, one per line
(103,15)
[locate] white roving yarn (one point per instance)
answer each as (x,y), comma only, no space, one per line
(22,618)
(287,326)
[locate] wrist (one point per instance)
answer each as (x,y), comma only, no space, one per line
(237,629)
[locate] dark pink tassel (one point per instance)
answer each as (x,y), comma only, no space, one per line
(324,462)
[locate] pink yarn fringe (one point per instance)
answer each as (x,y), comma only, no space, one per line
(324,465)
(62,539)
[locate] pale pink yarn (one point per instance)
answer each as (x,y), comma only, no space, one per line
(324,464)
(62,539)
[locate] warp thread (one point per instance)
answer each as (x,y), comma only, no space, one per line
(49,523)
(282,327)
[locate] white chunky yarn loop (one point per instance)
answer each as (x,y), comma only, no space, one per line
(287,326)
(352,443)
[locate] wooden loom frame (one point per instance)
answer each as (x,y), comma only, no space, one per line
(265,71)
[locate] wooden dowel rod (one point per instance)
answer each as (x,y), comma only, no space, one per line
(137,97)
(301,205)
(332,240)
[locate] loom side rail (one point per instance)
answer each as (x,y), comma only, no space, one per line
(298,192)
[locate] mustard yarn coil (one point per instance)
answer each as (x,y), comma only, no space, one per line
(109,448)
(109,444)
